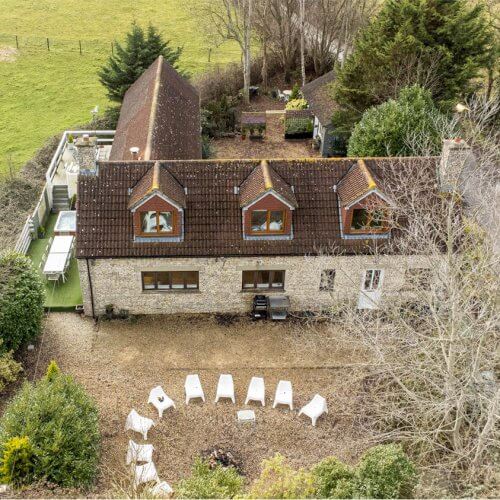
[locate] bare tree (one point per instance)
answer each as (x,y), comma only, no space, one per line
(302,14)
(232,20)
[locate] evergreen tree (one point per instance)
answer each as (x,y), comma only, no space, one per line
(133,58)
(439,44)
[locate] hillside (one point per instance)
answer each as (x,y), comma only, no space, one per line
(43,92)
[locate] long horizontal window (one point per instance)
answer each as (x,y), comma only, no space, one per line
(263,280)
(170,280)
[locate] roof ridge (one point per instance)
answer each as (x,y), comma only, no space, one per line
(268,182)
(156,176)
(154,107)
(366,172)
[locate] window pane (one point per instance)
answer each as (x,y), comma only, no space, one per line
(148,222)
(277,221)
(191,278)
(259,220)
(327,279)
(368,280)
(262,279)
(163,280)
(165,224)
(278,280)
(177,280)
(148,281)
(359,218)
(377,218)
(376,279)
(248,277)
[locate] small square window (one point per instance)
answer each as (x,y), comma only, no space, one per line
(327,280)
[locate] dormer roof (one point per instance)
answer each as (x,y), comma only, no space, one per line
(358,183)
(263,180)
(157,180)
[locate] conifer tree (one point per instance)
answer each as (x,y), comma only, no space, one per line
(440,44)
(132,58)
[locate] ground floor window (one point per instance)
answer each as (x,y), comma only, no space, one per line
(327,279)
(170,280)
(263,280)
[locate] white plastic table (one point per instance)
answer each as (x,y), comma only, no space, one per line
(55,263)
(61,244)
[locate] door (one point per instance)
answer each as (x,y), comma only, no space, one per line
(371,289)
(316,128)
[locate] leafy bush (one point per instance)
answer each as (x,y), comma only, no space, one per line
(333,479)
(61,423)
(17,466)
(295,92)
(279,480)
(296,104)
(207,482)
(299,127)
(9,369)
(218,116)
(391,128)
(385,471)
(21,301)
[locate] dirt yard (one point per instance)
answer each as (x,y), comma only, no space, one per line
(120,361)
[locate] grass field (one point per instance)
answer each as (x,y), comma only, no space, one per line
(42,92)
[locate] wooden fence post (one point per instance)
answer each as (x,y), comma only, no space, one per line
(80,44)
(112,51)
(48,45)
(17,43)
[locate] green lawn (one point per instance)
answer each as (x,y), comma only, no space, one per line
(42,93)
(58,295)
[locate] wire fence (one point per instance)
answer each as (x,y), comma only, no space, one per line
(98,46)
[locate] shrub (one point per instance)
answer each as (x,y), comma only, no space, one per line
(21,301)
(219,116)
(61,423)
(279,480)
(296,104)
(295,92)
(9,369)
(385,471)
(16,465)
(207,482)
(299,127)
(333,479)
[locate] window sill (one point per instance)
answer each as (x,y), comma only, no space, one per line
(154,292)
(262,290)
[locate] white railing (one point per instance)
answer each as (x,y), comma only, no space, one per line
(44,204)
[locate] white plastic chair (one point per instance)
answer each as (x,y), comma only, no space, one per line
(145,474)
(225,388)
(139,452)
(193,388)
(161,489)
(315,408)
(256,391)
(284,394)
(160,400)
(137,423)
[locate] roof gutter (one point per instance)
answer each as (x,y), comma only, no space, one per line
(91,290)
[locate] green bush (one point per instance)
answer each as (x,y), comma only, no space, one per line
(385,471)
(279,480)
(218,116)
(16,465)
(410,125)
(295,92)
(61,423)
(206,482)
(296,104)
(333,479)
(9,369)
(22,296)
(299,126)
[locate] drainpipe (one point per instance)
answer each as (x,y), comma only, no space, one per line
(91,290)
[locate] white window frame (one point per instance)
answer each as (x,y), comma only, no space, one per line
(370,288)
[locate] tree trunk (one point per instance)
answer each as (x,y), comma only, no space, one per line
(246,51)
(302,55)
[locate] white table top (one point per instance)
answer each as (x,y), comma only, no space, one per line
(61,244)
(55,263)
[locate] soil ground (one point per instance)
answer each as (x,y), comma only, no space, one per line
(120,361)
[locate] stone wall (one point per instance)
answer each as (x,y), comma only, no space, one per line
(118,282)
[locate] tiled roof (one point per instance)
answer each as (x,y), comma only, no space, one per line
(253,118)
(263,179)
(317,95)
(158,180)
(213,224)
(160,115)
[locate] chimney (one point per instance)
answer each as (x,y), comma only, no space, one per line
(134,151)
(456,158)
(86,152)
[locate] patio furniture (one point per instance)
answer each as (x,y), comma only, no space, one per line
(139,452)
(58,257)
(161,489)
(246,416)
(137,423)
(145,474)
(315,408)
(160,400)
(284,394)
(256,391)
(225,388)
(193,388)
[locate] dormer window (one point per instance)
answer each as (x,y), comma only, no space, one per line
(268,221)
(267,204)
(367,220)
(153,222)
